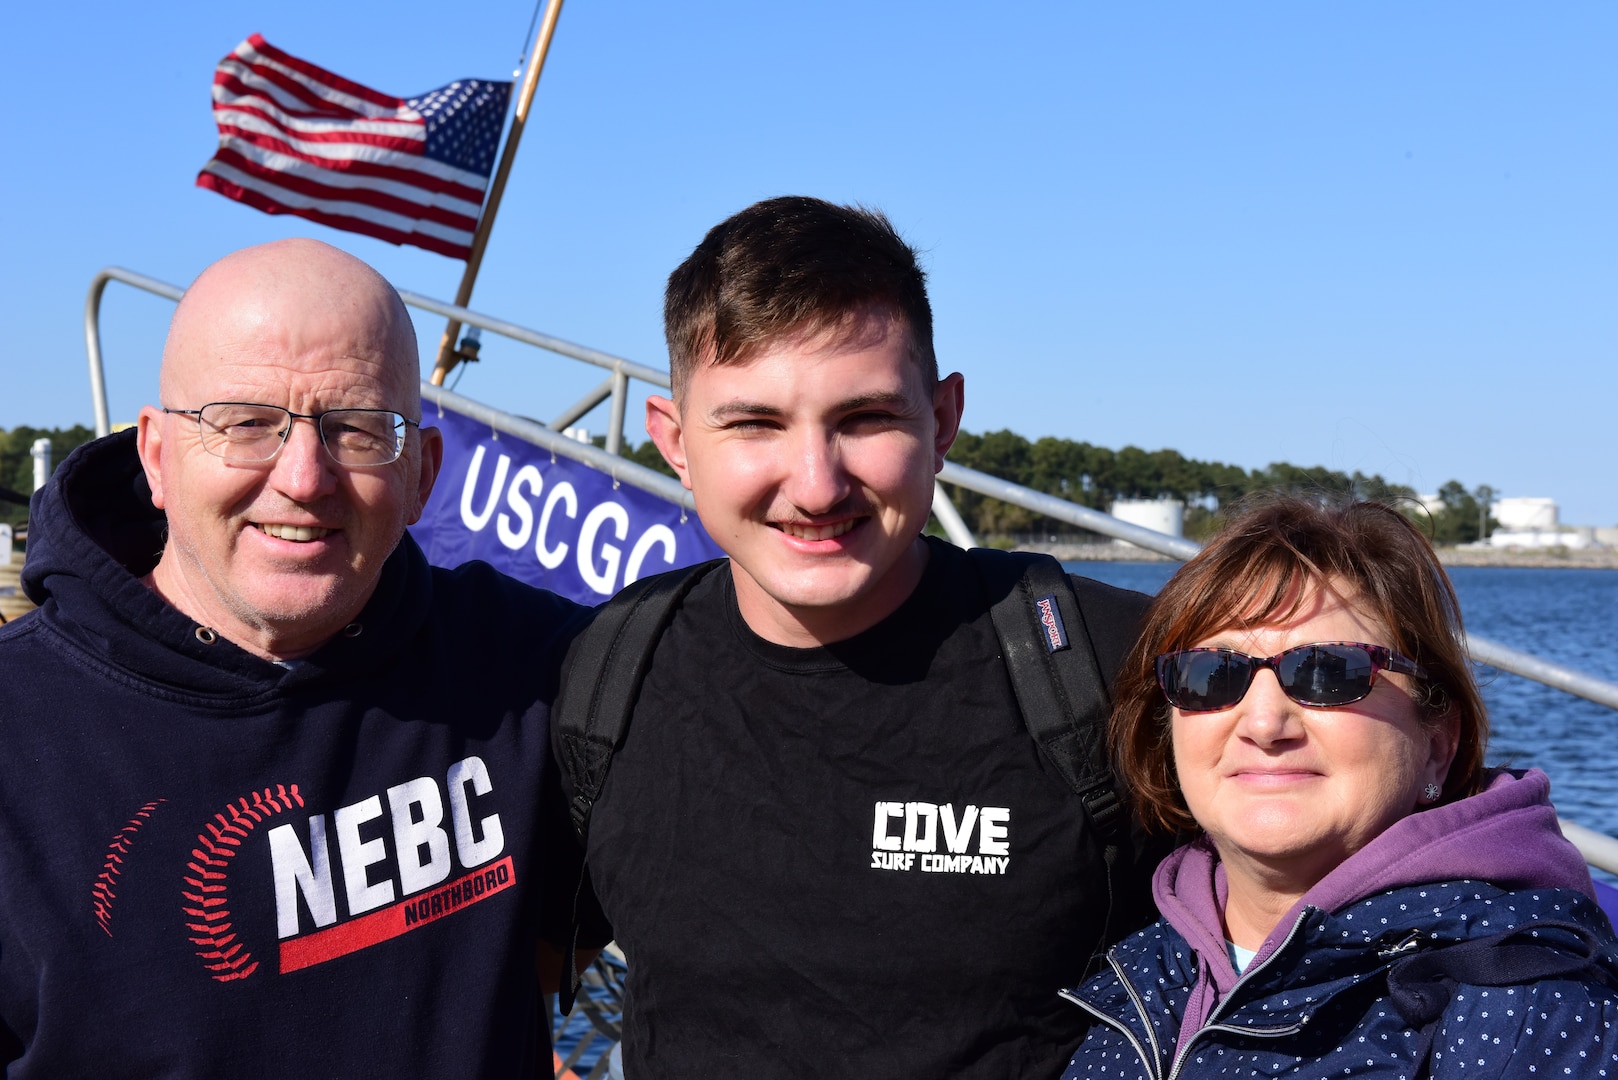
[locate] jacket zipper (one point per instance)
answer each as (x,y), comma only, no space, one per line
(1151,1062)
(1211,1023)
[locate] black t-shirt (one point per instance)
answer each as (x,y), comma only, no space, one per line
(851,860)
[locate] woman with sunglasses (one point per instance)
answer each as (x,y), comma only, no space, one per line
(1361,897)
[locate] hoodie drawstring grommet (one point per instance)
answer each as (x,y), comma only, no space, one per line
(206,635)
(353,629)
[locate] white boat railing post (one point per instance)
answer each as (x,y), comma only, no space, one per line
(1551,674)
(589,401)
(615,415)
(92,332)
(950,518)
(1598,849)
(1070,512)
(92,345)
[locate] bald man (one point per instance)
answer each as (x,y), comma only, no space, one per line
(275,798)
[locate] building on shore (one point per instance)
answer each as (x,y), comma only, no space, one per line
(1532,523)
(1159,515)
(1573,538)
(1525,514)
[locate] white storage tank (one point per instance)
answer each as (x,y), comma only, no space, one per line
(1159,515)
(1525,514)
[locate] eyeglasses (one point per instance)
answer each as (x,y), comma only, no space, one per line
(253,434)
(1323,675)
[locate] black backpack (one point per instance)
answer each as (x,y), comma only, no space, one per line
(1059,689)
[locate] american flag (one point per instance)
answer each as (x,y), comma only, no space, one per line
(296,139)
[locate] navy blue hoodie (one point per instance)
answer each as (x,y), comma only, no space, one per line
(212,865)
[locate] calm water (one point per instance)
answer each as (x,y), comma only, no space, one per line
(1569,616)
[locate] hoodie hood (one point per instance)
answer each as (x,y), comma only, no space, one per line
(1506,835)
(94,534)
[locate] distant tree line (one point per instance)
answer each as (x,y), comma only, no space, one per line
(1096,476)
(1462,516)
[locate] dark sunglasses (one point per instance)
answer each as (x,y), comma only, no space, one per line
(1322,675)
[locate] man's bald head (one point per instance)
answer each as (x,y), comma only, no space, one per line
(288,284)
(279,555)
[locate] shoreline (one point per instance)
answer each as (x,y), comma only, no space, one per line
(1597,559)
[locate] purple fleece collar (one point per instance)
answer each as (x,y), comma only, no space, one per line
(1506,834)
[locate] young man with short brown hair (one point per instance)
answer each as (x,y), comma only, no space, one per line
(828,845)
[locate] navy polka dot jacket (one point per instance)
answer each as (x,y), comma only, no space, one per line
(1333,1000)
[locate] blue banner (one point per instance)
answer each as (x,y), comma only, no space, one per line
(549,520)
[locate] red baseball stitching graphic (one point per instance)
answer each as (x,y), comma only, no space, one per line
(105,891)
(207,907)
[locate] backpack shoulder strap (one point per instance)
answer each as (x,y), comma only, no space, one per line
(1059,688)
(601,682)
(603,679)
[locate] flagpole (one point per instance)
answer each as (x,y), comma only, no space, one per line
(447,356)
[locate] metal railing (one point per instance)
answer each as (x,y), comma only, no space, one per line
(92,332)
(1482,650)
(1598,849)
(616,389)
(615,386)
(621,470)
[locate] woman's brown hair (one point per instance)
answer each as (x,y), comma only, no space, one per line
(1256,573)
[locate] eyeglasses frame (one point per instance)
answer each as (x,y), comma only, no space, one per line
(286,432)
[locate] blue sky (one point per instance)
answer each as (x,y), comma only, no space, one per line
(1377,236)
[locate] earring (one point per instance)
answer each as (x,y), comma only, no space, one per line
(1430,793)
